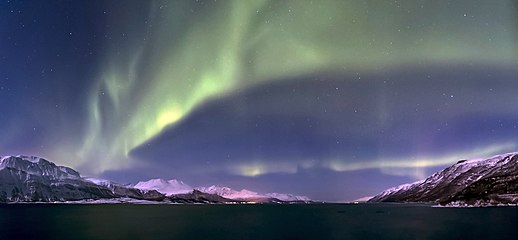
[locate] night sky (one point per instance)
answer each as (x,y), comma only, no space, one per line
(335,100)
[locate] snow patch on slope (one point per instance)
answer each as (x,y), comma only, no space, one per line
(101,182)
(402,187)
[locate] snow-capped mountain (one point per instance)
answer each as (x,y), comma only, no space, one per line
(38,166)
(248,195)
(478,181)
(288,197)
(230,193)
(33,179)
(167,187)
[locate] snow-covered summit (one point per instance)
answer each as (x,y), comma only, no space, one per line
(167,187)
(230,193)
(245,194)
(288,197)
(38,166)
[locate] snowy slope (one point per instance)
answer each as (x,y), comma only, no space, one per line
(38,166)
(288,197)
(467,180)
(398,189)
(230,193)
(167,187)
(245,194)
(101,182)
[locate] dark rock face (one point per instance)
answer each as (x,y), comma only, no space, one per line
(490,181)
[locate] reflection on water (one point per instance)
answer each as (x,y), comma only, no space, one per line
(332,221)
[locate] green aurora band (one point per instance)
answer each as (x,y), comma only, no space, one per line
(187,53)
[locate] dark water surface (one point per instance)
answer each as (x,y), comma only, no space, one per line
(329,221)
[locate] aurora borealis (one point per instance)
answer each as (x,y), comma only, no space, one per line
(331,99)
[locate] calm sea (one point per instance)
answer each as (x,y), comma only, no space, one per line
(327,221)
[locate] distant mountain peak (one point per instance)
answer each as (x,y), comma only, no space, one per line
(245,194)
(288,197)
(230,193)
(167,187)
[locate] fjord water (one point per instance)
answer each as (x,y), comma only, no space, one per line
(318,221)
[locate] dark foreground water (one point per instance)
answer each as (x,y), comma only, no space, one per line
(330,221)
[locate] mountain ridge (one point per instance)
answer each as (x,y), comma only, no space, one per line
(480,182)
(35,179)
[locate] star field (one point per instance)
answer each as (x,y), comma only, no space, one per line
(332,99)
